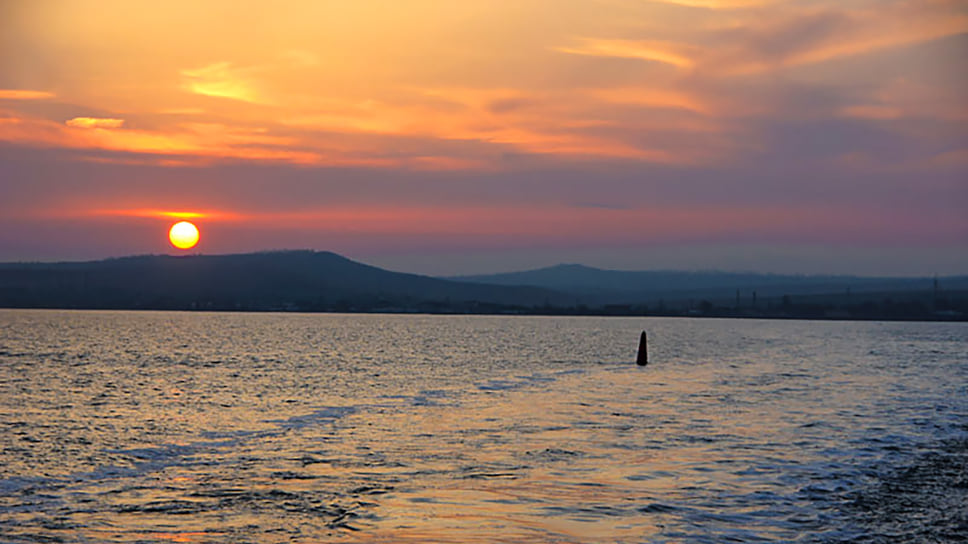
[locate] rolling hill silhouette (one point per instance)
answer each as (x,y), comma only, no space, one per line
(322,281)
(307,280)
(619,286)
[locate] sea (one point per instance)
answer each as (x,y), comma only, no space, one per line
(161,427)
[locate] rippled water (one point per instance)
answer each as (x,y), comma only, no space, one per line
(191,427)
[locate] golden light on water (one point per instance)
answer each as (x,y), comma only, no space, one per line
(183,235)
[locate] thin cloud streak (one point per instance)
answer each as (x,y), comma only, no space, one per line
(220,80)
(628,49)
(94,122)
(157,214)
(558,224)
(24,94)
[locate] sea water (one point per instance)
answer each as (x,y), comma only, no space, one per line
(264,428)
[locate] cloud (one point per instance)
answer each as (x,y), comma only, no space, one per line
(202,143)
(94,122)
(717,4)
(205,142)
(208,215)
(957,158)
(221,80)
(777,36)
(873,111)
(564,90)
(789,35)
(666,53)
(23,94)
(490,123)
(872,31)
(653,97)
(519,225)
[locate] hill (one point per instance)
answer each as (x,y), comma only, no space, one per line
(597,286)
(294,280)
(323,281)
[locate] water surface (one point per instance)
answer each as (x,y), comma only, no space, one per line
(194,427)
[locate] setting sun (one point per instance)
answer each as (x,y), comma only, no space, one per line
(183,235)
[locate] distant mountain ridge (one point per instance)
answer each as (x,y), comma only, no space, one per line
(303,280)
(300,279)
(641,286)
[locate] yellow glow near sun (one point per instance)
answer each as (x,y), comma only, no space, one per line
(183,235)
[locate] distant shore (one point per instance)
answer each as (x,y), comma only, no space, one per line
(543,312)
(317,281)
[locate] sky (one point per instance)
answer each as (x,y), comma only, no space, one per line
(444,137)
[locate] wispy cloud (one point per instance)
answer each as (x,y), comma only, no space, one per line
(717,4)
(667,53)
(873,31)
(790,35)
(873,111)
(208,215)
(552,91)
(553,223)
(221,80)
(94,122)
(205,142)
(654,97)
(24,94)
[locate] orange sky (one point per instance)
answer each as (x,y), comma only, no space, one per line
(607,123)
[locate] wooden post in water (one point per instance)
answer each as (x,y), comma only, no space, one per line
(643,357)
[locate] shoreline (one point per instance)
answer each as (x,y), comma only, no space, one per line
(554,312)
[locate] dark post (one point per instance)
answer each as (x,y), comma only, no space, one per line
(643,357)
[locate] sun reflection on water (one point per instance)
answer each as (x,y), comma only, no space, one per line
(308,428)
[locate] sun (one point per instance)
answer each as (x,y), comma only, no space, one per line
(183,235)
